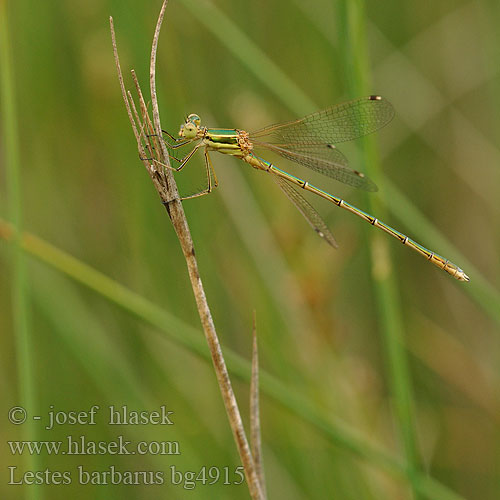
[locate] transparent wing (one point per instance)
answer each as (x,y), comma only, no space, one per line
(307,210)
(323,158)
(340,123)
(310,140)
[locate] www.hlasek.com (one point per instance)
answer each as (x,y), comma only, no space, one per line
(80,445)
(189,480)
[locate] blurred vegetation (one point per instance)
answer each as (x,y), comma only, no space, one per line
(332,421)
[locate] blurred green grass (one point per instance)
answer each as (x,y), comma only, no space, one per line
(84,191)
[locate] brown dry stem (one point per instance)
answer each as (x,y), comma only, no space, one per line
(255,436)
(154,155)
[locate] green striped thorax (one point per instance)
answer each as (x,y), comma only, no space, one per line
(189,129)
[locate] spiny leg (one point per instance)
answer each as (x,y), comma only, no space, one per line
(210,170)
(182,162)
(151,147)
(179,141)
(209,162)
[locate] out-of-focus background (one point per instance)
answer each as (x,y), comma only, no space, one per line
(326,330)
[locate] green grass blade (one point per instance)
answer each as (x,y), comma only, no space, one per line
(20,309)
(351,27)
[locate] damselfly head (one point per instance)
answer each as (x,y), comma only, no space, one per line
(190,128)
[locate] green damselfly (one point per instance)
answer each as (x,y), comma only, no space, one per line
(309,141)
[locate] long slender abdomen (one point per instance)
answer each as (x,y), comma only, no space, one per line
(436,259)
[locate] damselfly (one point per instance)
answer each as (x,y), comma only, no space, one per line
(310,142)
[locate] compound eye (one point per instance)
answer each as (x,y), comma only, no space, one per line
(193,118)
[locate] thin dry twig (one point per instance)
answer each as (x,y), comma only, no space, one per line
(166,187)
(255,436)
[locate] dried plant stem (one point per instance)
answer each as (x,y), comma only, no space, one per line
(255,437)
(164,183)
